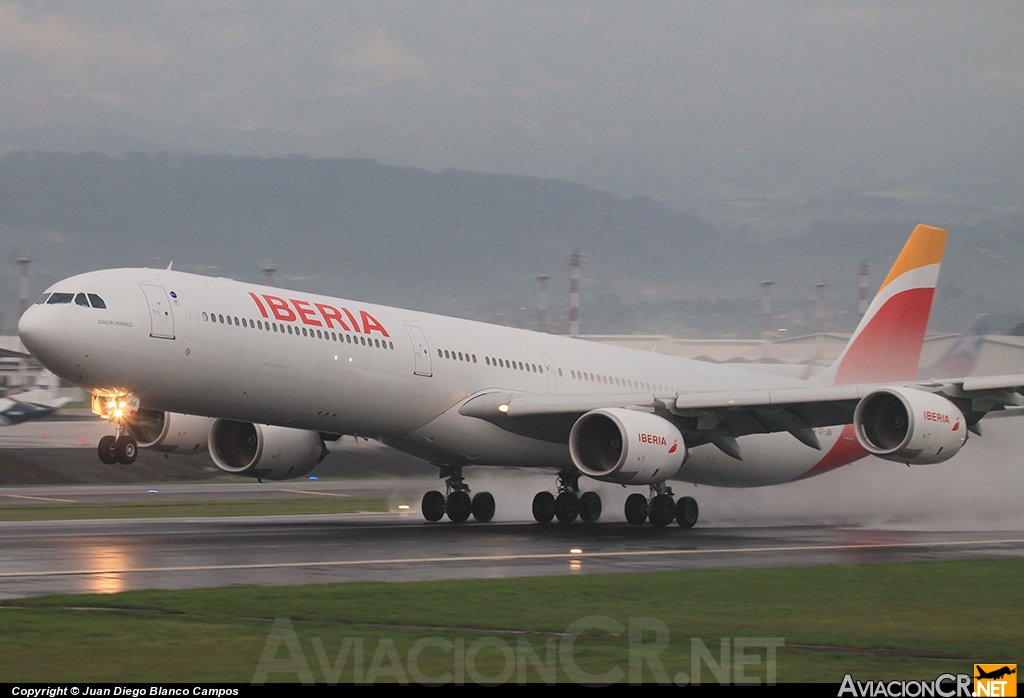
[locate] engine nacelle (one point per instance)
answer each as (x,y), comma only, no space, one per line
(909,426)
(170,431)
(626,447)
(265,452)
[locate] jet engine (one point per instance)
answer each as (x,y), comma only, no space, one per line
(626,447)
(170,431)
(909,426)
(265,452)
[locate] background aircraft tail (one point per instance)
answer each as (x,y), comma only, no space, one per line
(959,359)
(45,392)
(887,343)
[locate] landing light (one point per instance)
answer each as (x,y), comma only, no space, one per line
(403,506)
(576,551)
(502,408)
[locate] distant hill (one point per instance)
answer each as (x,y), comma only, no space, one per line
(464,243)
(350,226)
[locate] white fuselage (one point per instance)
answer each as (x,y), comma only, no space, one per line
(221,348)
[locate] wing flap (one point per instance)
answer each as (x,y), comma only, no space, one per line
(780,396)
(1014,382)
(534,405)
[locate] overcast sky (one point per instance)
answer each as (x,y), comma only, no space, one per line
(671,99)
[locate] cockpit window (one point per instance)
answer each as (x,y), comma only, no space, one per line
(60,298)
(81,300)
(42,301)
(96,301)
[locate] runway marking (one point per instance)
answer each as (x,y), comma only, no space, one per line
(322,494)
(514,558)
(41,499)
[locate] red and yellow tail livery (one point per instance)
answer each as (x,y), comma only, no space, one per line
(887,344)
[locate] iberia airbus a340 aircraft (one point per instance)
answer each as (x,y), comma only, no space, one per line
(262,377)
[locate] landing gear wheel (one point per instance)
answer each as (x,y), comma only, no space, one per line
(636,508)
(663,510)
(459,506)
(126,449)
(543,507)
(567,507)
(590,507)
(687,512)
(105,450)
(483,506)
(433,506)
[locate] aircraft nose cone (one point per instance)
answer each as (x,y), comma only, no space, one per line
(37,333)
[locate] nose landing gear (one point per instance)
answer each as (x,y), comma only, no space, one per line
(122,448)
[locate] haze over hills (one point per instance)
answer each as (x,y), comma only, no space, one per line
(470,243)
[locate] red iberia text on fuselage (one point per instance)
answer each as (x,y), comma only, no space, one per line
(312,313)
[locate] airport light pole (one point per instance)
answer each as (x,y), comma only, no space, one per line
(819,307)
(766,310)
(575,261)
(862,289)
(542,302)
(268,274)
(23,263)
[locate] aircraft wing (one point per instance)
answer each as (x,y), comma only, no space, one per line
(8,354)
(720,417)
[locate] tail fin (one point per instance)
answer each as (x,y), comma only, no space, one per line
(887,343)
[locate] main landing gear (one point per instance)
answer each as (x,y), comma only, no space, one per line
(457,504)
(122,448)
(569,504)
(662,509)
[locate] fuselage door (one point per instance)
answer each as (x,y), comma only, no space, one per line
(160,316)
(420,350)
(549,371)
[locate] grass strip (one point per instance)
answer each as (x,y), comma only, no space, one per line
(156,508)
(892,621)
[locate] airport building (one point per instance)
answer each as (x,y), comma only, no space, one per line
(807,355)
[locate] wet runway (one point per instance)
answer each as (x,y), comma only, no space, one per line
(869,512)
(108,556)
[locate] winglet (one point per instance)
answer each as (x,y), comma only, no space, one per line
(887,343)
